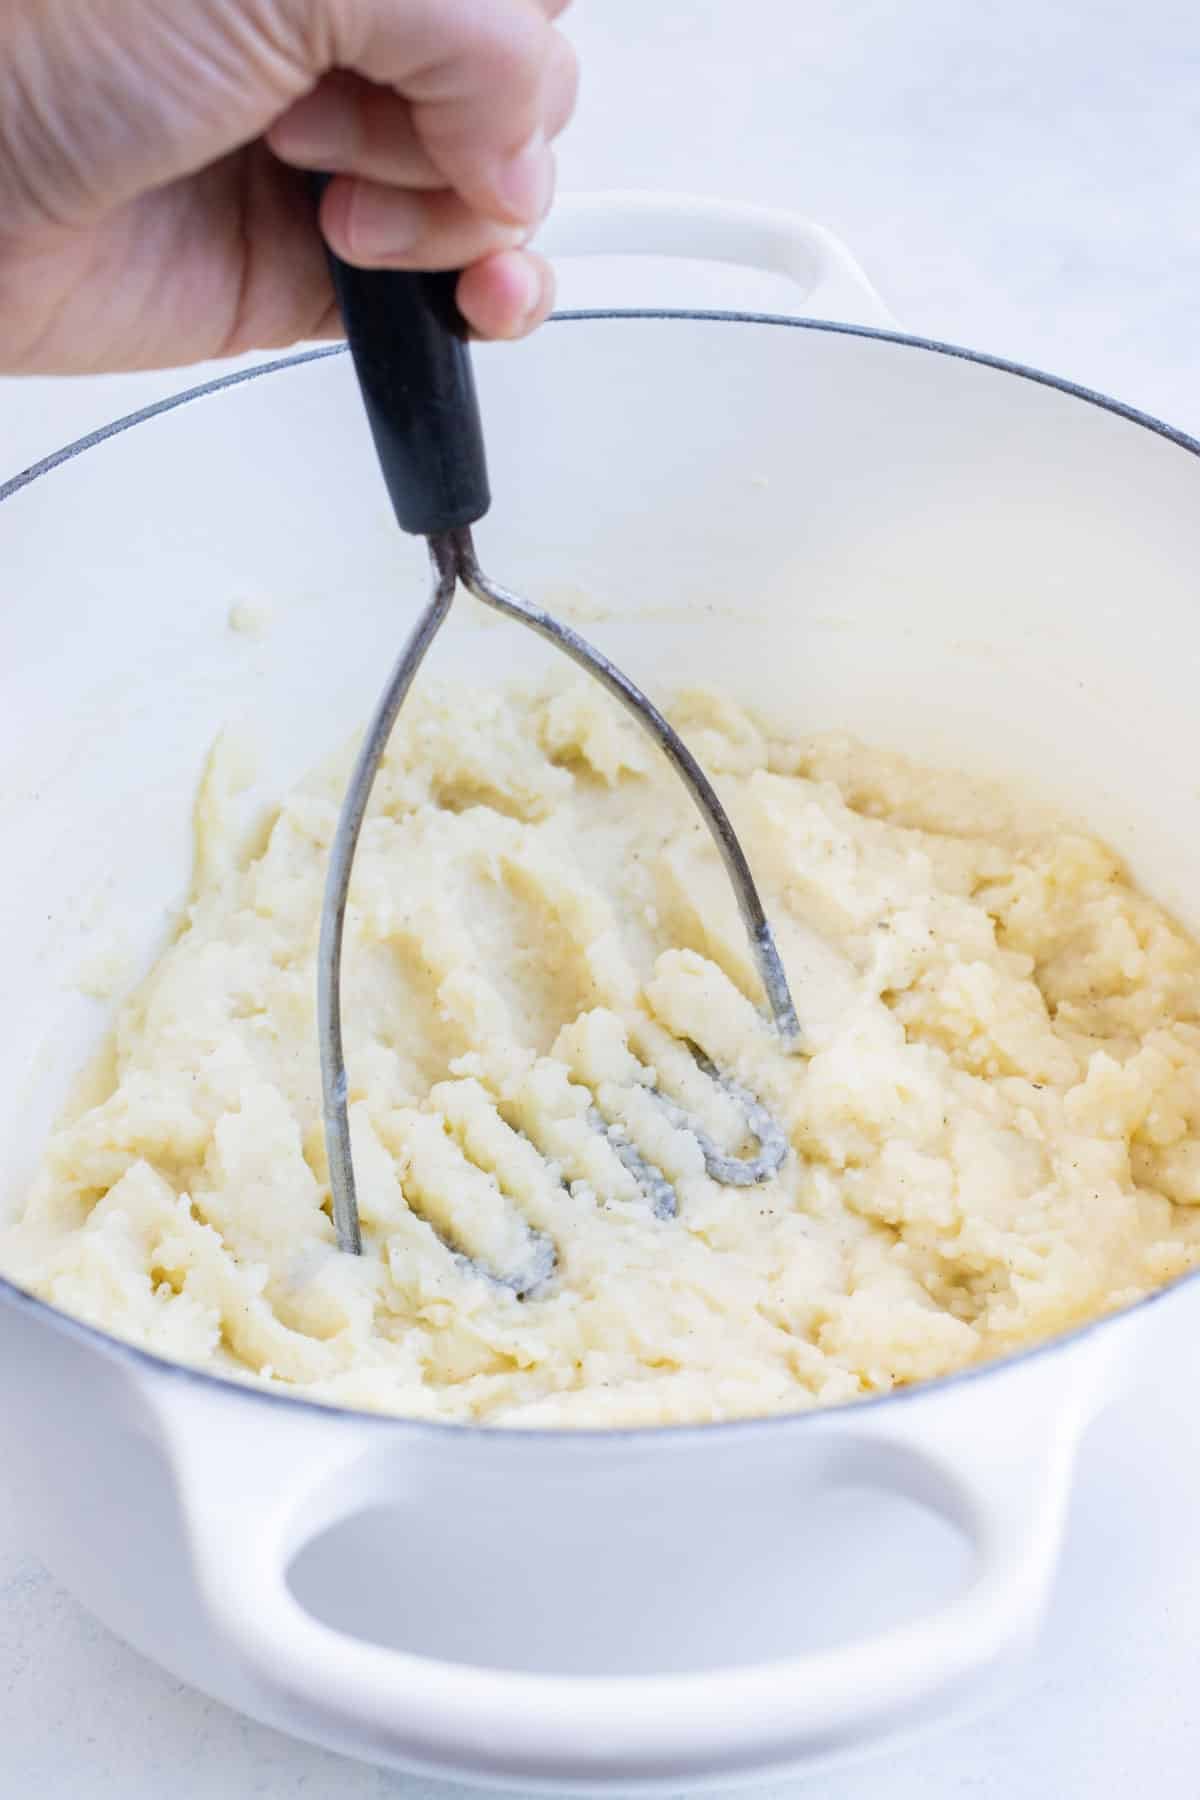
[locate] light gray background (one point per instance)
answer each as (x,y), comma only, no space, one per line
(1021,177)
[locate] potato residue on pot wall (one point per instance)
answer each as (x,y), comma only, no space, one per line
(993,1128)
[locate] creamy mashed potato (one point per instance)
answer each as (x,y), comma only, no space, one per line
(993,1125)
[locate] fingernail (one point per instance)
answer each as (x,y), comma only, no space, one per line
(531,294)
(525,183)
(318,129)
(383,221)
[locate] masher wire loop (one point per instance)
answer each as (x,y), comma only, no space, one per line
(411,359)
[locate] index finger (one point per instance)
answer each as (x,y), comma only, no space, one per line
(475,76)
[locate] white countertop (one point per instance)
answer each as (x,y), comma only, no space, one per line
(1025,179)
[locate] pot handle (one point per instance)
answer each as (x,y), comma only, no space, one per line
(694,227)
(998,1462)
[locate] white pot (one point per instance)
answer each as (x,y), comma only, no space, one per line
(849,528)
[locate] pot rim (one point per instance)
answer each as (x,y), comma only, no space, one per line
(93,1337)
(835,328)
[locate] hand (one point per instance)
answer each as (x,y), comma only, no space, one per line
(152,209)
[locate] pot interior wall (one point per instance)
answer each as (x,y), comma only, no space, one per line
(851,534)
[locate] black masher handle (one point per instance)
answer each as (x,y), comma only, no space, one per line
(409,344)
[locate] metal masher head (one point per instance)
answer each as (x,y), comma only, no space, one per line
(410,354)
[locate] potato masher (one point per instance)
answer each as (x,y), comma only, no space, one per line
(410,353)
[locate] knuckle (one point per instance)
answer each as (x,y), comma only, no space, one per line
(313,32)
(514,46)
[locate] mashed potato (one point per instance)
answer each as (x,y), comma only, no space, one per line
(993,1124)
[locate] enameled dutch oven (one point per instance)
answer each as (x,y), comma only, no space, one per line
(853,529)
